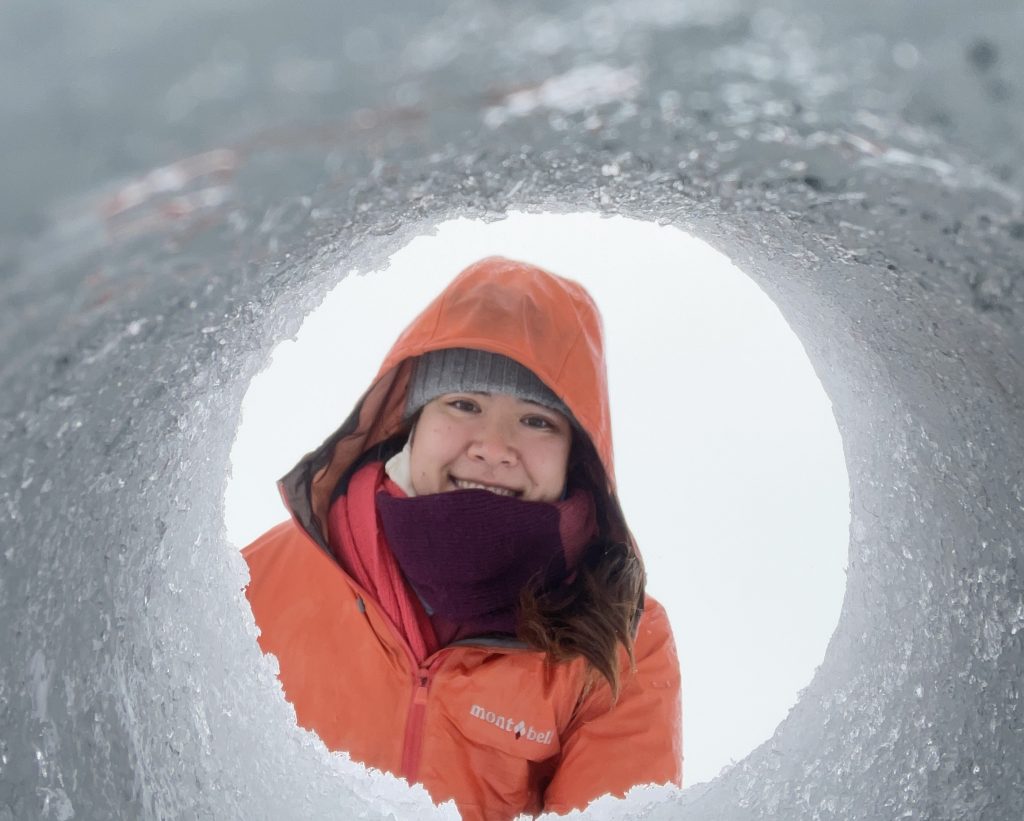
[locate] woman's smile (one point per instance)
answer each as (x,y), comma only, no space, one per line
(463,484)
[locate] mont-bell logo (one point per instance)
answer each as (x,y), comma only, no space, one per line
(520,729)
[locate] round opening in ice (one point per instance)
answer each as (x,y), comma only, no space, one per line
(729,460)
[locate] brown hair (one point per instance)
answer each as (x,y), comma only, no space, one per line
(601,608)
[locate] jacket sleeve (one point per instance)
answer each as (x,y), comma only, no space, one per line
(609,749)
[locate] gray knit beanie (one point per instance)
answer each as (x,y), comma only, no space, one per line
(453,370)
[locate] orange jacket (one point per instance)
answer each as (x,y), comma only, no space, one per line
(488,723)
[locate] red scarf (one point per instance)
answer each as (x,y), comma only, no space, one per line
(360,544)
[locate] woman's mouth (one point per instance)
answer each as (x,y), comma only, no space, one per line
(462,484)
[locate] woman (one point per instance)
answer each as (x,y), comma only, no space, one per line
(457,598)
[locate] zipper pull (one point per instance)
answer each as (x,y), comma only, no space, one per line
(423,680)
(361,605)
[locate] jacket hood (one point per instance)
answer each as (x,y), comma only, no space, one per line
(545,322)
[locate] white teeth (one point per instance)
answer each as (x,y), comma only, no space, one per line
(459,483)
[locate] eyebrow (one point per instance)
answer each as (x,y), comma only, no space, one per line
(488,394)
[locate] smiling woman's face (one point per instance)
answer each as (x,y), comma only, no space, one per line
(505,444)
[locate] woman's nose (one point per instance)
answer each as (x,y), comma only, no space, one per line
(493,445)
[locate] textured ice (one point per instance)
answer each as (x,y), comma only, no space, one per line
(873,192)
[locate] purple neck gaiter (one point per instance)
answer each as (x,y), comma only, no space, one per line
(469,553)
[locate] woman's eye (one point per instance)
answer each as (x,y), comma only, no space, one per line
(463,405)
(538,422)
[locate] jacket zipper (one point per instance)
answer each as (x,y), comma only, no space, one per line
(413,744)
(412,747)
(423,675)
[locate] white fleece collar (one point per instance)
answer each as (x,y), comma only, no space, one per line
(398,468)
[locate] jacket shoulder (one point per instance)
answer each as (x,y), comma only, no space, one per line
(285,559)
(280,537)
(654,635)
(280,532)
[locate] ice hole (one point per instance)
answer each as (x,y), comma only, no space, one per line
(730,464)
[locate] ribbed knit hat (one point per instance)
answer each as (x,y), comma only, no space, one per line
(454,370)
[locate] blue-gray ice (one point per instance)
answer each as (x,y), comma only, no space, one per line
(180,183)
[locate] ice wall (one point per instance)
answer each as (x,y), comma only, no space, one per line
(861,164)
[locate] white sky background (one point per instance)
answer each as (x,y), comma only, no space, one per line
(729,462)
